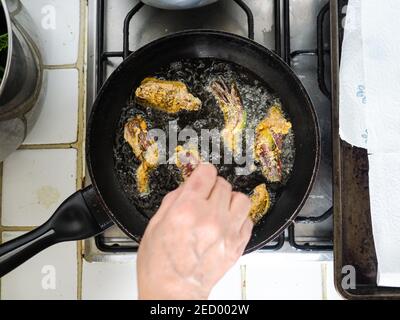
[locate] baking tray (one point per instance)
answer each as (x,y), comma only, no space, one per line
(353,241)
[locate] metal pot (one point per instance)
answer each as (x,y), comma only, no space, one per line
(178,4)
(20,86)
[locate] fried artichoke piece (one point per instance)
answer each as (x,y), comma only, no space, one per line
(230,103)
(167,96)
(260,202)
(268,144)
(186,159)
(143,178)
(145,150)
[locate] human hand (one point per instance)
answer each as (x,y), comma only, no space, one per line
(198,233)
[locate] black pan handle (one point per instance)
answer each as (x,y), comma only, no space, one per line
(79,217)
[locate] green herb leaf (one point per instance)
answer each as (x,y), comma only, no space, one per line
(3,42)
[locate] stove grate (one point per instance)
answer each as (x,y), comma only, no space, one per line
(321,52)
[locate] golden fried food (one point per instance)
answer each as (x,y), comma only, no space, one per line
(270,133)
(230,103)
(167,96)
(186,160)
(144,148)
(276,121)
(260,202)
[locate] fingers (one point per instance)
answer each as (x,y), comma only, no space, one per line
(240,207)
(221,195)
(201,182)
(171,197)
(244,236)
(245,231)
(167,202)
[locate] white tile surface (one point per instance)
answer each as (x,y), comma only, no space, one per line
(34,279)
(35,182)
(271,277)
(106,280)
(58,120)
(57,27)
(331,293)
(229,287)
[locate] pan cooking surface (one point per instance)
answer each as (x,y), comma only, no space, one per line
(198,74)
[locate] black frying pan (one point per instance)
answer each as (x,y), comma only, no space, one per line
(92,210)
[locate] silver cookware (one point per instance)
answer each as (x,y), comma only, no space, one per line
(178,4)
(20,85)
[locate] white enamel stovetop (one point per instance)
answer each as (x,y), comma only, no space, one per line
(50,166)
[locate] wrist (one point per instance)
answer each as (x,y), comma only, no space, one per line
(175,290)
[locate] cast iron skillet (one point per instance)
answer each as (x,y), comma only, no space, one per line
(95,208)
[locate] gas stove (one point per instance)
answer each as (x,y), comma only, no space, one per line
(296,30)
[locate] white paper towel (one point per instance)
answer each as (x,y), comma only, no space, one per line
(381,51)
(384,187)
(370,117)
(380,27)
(353,99)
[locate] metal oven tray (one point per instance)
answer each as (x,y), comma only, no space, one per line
(353,240)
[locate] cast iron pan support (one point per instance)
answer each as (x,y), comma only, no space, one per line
(79,217)
(126,52)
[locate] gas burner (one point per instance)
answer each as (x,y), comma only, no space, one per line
(297,31)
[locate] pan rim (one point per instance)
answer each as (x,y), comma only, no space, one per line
(228,35)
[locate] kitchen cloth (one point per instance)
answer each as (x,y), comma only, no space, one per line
(370,117)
